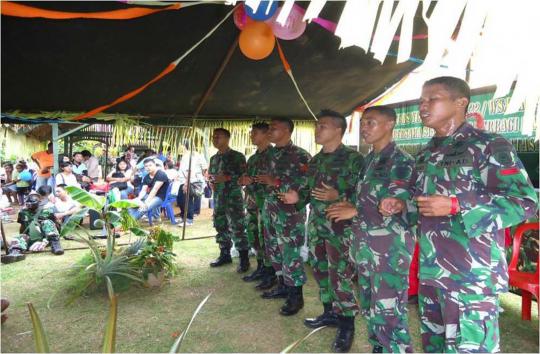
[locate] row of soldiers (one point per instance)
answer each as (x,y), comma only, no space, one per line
(456,198)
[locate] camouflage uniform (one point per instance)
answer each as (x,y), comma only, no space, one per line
(329,242)
(382,248)
(285,224)
(255,195)
(462,258)
(36,229)
(229,216)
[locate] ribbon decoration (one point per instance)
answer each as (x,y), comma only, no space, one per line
(18,10)
(288,70)
(167,70)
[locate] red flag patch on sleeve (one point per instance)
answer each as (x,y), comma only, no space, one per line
(509,171)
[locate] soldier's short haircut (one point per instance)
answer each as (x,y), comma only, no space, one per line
(456,86)
(386,111)
(285,120)
(223,131)
(262,126)
(336,117)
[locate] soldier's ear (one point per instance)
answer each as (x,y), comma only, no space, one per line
(462,102)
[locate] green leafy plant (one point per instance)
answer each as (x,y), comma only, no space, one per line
(105,263)
(157,255)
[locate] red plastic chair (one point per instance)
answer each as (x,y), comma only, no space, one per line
(527,282)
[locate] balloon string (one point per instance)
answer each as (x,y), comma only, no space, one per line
(167,70)
(288,70)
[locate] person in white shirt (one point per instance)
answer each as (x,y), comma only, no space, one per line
(92,165)
(196,181)
(66,176)
(64,206)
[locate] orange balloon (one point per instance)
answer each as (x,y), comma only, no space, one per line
(257,40)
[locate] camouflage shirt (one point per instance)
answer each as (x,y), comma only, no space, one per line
(289,165)
(31,224)
(258,164)
(231,163)
(339,169)
(385,174)
(465,252)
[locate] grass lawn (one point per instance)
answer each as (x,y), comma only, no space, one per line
(235,319)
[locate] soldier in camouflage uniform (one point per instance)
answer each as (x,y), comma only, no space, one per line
(255,195)
(332,176)
(285,224)
(37,230)
(382,246)
(226,166)
(469,186)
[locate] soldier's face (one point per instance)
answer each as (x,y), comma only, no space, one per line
(219,140)
(279,131)
(437,106)
(326,131)
(375,126)
(258,136)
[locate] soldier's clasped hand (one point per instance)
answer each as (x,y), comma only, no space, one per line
(391,206)
(289,197)
(220,178)
(326,193)
(434,205)
(341,211)
(265,179)
(245,180)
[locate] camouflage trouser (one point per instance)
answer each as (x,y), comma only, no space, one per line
(46,228)
(383,277)
(329,258)
(229,219)
(453,322)
(284,237)
(255,232)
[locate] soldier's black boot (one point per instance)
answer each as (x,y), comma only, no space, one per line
(294,302)
(244,262)
(224,257)
(279,292)
(14,255)
(328,318)
(268,280)
(344,335)
(257,274)
(56,247)
(377,349)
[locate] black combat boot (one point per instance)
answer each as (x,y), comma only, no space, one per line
(279,292)
(56,247)
(294,302)
(328,318)
(244,262)
(268,280)
(344,335)
(224,257)
(377,349)
(14,255)
(257,274)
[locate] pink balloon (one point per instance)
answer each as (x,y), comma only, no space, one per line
(240,17)
(294,26)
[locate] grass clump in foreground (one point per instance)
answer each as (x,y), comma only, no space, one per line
(234,319)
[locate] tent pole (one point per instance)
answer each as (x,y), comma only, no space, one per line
(55,146)
(204,98)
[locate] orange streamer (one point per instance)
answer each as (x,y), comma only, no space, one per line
(286,64)
(13,9)
(127,96)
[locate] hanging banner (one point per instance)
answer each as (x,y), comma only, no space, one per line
(485,112)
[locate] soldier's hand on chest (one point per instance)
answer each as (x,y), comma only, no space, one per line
(325,193)
(391,206)
(265,179)
(341,211)
(289,197)
(245,180)
(434,205)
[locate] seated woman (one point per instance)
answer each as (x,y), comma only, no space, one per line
(66,176)
(120,178)
(64,206)
(8,185)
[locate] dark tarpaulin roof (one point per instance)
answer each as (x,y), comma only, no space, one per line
(77,65)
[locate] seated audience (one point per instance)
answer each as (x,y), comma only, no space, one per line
(153,191)
(66,176)
(120,178)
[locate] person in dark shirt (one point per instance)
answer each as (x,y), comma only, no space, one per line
(153,191)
